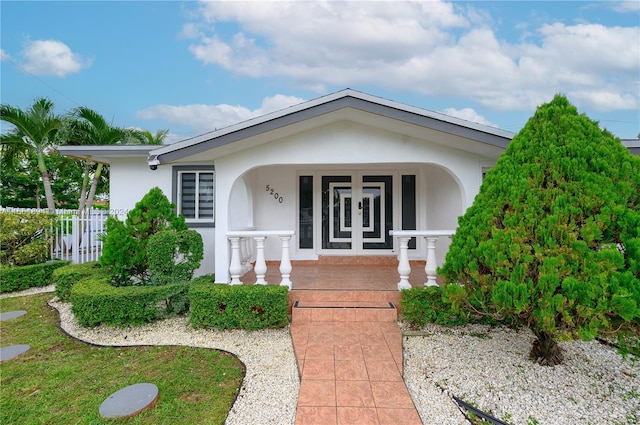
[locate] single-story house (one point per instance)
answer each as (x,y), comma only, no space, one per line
(347,174)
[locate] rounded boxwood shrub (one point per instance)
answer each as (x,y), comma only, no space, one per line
(174,256)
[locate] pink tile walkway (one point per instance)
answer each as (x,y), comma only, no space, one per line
(351,371)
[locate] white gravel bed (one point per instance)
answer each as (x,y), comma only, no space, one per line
(30,291)
(269,392)
(490,369)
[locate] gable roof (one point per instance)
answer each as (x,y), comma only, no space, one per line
(485,138)
(324,106)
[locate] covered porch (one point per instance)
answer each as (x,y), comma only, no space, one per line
(343,274)
(335,272)
(348,282)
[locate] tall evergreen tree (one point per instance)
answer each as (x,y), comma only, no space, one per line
(552,241)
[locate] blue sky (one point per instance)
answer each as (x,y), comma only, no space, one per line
(194,66)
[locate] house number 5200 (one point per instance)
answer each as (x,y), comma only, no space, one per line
(273,192)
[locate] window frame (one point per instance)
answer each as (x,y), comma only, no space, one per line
(178,171)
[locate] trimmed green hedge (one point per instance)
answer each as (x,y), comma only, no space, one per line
(237,306)
(65,277)
(95,301)
(422,305)
(18,278)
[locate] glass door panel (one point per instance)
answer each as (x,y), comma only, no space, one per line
(377,212)
(337,212)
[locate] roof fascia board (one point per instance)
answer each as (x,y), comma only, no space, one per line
(108,150)
(340,100)
(103,153)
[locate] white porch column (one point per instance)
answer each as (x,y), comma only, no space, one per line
(261,266)
(235,268)
(431,265)
(404,268)
(285,262)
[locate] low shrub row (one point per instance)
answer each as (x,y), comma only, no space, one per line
(429,304)
(422,305)
(95,301)
(18,278)
(65,277)
(238,307)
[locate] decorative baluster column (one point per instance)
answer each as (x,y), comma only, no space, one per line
(285,262)
(261,266)
(431,265)
(245,254)
(235,268)
(404,268)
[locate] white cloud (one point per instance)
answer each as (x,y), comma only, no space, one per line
(468,114)
(52,57)
(331,42)
(435,48)
(625,6)
(4,55)
(204,118)
(190,30)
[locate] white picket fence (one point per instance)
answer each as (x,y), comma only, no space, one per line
(74,237)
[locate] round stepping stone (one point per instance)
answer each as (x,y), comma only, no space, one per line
(12,351)
(11,315)
(129,401)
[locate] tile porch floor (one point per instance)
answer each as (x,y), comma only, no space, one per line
(373,274)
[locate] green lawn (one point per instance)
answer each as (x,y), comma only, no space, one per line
(63,381)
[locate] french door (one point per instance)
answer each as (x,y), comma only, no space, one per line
(357,212)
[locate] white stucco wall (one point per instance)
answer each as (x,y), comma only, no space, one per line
(241,205)
(270,213)
(443,205)
(131,179)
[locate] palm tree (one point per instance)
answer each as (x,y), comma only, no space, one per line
(34,132)
(154,139)
(87,127)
